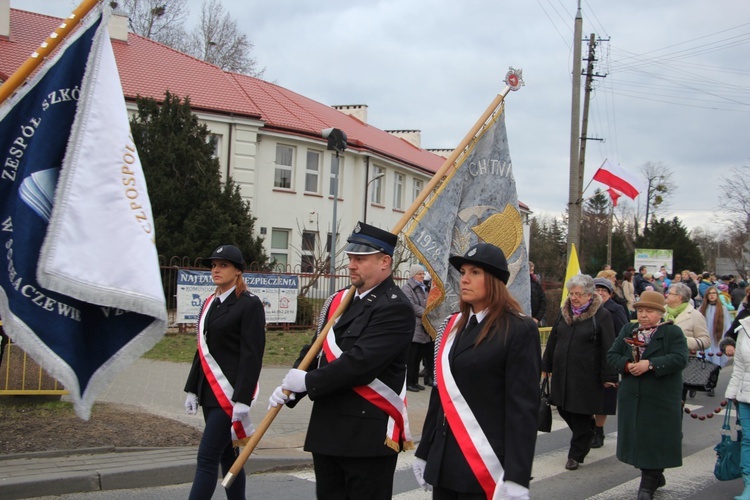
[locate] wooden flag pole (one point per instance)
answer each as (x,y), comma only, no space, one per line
(450,161)
(45,49)
(312,353)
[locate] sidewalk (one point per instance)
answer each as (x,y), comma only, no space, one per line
(156,386)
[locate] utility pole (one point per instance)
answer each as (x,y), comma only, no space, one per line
(585,123)
(575,187)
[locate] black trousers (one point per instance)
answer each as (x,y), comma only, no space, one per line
(416,354)
(428,360)
(355,478)
(583,431)
(439,493)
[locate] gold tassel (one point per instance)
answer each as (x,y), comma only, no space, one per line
(390,443)
(240,442)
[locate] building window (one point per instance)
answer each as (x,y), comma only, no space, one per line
(312,172)
(280,247)
(377,188)
(309,243)
(398,191)
(337,173)
(418,187)
(284,167)
(216,138)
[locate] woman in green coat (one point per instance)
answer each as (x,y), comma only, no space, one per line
(650,356)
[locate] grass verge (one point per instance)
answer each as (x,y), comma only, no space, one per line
(282,347)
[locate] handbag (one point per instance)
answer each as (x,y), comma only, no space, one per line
(545,412)
(728,451)
(700,374)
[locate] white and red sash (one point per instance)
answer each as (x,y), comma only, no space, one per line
(376,392)
(470,437)
(220,386)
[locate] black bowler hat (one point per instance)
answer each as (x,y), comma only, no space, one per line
(488,257)
(367,239)
(227,252)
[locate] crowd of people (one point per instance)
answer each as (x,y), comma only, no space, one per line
(616,347)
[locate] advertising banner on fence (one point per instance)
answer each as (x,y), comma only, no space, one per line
(653,258)
(278,292)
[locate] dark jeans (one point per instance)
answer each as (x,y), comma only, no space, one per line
(216,448)
(416,354)
(361,478)
(583,430)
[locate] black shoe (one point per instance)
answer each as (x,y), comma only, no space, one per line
(571,464)
(420,387)
(691,394)
(428,382)
(413,388)
(598,440)
(648,487)
(662,481)
(711,393)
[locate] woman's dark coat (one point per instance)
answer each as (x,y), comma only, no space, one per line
(499,378)
(649,407)
(576,357)
(236,339)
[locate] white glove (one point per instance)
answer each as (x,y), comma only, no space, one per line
(278,398)
(294,381)
(418,467)
(510,491)
(240,411)
(191,404)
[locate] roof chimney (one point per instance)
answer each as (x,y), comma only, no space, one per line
(118,23)
(5,18)
(358,111)
(414,137)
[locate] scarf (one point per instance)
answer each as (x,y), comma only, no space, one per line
(577,311)
(673,313)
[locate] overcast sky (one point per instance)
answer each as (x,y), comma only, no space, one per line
(676,91)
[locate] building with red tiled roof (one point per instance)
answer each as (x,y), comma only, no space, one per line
(268,139)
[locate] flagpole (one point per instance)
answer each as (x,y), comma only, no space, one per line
(45,49)
(592,180)
(609,231)
(318,344)
(451,160)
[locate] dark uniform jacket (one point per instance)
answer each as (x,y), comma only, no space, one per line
(374,335)
(499,379)
(236,339)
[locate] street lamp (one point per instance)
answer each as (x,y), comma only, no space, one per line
(336,142)
(367,193)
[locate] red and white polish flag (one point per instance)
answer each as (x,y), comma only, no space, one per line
(620,179)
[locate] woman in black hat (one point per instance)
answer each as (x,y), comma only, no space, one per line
(480,430)
(224,376)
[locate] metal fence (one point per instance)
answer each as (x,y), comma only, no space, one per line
(314,289)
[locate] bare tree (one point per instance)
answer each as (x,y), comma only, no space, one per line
(659,186)
(735,202)
(160,20)
(219,41)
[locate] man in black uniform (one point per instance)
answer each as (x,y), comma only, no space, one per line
(355,439)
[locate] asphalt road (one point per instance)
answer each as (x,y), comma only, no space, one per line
(602,476)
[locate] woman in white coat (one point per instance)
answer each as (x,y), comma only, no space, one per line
(738,391)
(689,319)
